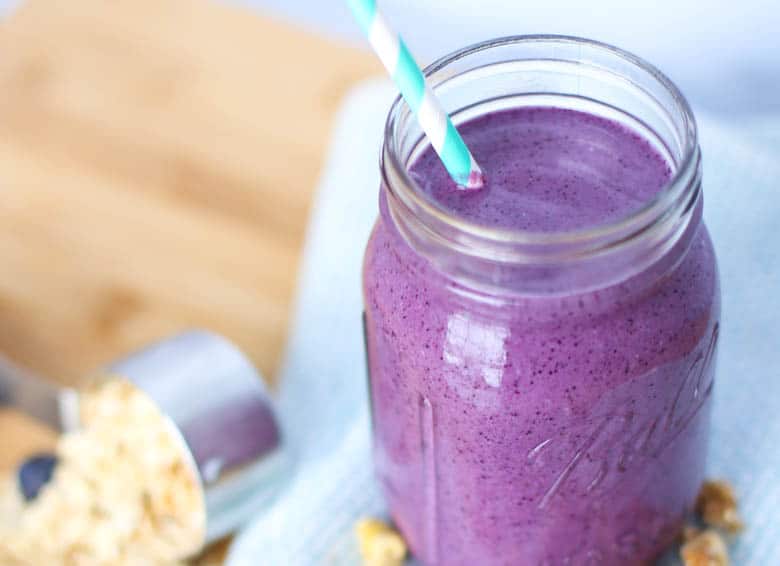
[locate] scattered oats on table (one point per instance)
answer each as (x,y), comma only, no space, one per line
(123,493)
(380,544)
(717,506)
(704,548)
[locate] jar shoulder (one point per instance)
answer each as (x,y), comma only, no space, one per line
(417,322)
(395,276)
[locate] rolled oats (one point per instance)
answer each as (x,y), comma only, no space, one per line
(123,494)
(380,545)
(717,506)
(706,548)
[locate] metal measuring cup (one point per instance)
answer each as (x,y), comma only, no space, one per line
(217,403)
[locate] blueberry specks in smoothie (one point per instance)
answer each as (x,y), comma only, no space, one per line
(548,169)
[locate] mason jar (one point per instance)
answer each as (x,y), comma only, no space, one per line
(542,397)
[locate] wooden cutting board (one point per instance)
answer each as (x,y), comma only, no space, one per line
(157,163)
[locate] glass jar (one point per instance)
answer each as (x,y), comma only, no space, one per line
(542,398)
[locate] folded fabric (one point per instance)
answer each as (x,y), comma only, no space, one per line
(323,398)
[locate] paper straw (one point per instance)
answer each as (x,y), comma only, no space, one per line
(433,120)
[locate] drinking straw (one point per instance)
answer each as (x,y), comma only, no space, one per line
(433,120)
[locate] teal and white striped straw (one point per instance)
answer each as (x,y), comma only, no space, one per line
(433,120)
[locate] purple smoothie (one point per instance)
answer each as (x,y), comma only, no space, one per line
(541,430)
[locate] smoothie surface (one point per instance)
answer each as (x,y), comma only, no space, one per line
(548,169)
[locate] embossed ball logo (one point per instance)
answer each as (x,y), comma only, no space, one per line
(592,455)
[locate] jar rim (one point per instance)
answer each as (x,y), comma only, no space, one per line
(591,239)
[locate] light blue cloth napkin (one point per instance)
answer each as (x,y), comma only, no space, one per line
(323,401)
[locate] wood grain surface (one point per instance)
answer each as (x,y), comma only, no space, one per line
(157,162)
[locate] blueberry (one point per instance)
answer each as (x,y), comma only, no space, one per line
(34,473)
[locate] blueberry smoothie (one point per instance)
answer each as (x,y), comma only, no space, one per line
(561,428)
